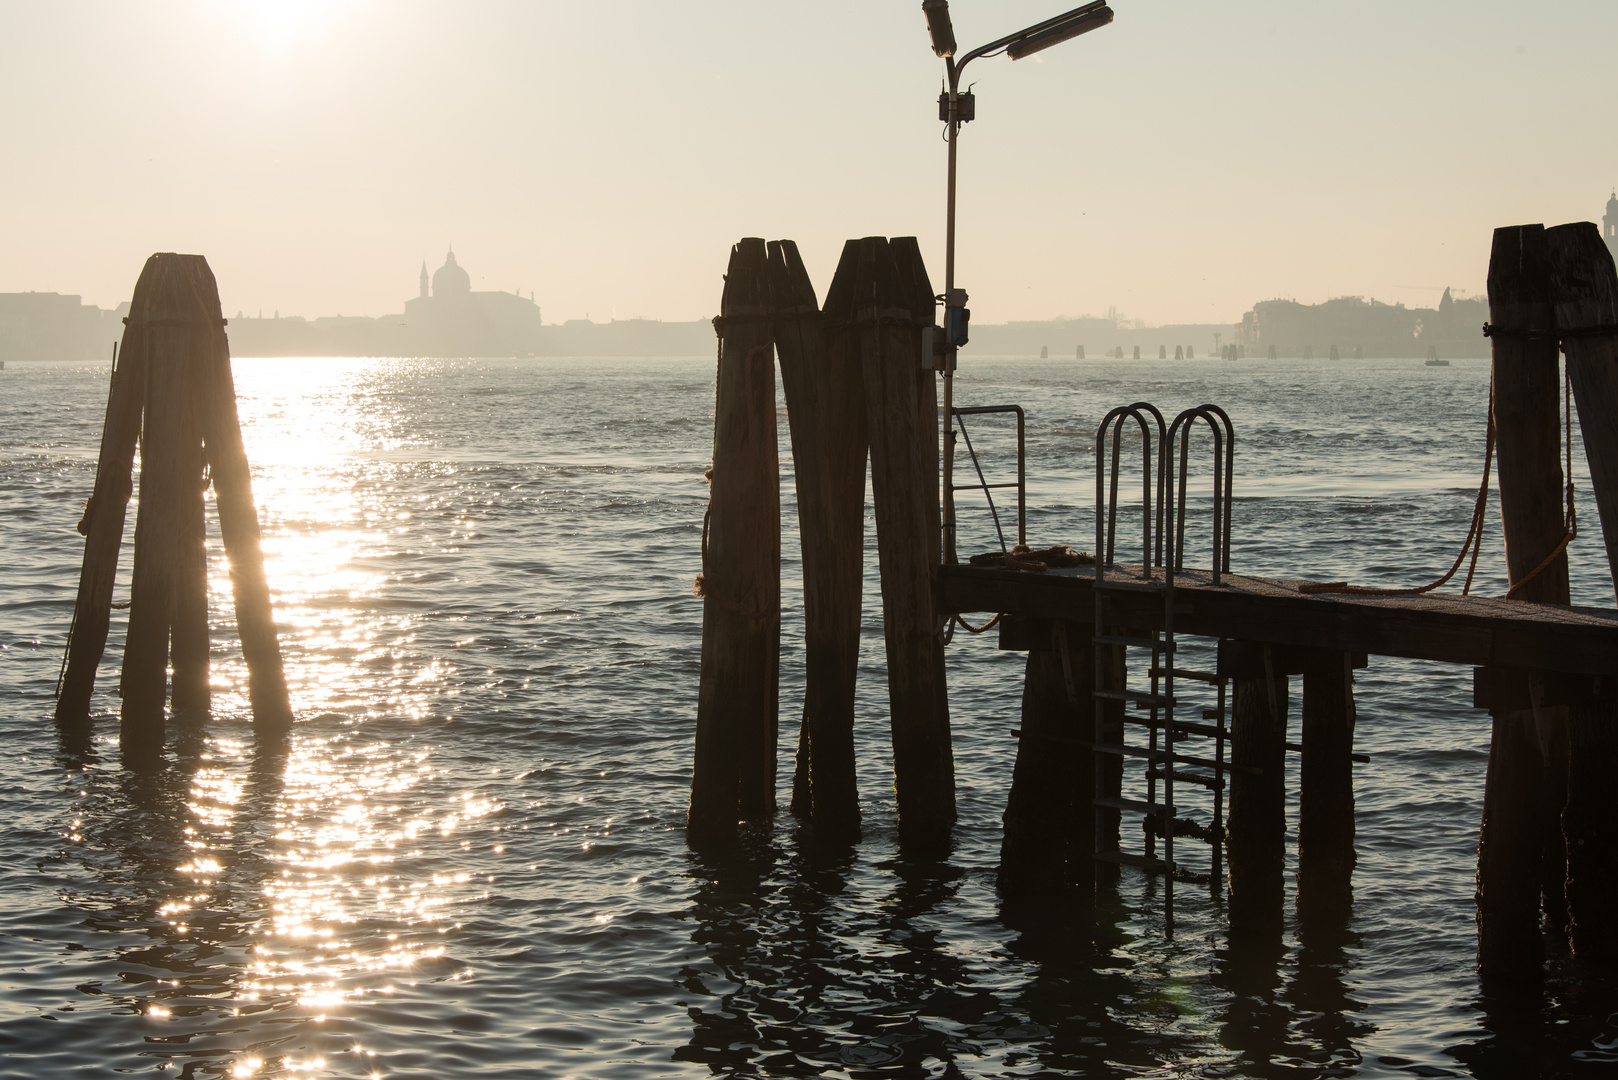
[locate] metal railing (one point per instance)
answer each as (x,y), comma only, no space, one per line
(983,484)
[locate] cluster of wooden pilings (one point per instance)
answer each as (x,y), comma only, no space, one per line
(1547,848)
(858,376)
(172,395)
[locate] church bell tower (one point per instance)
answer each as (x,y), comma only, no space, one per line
(1609,225)
(424,279)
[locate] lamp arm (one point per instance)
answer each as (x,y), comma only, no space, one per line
(984,50)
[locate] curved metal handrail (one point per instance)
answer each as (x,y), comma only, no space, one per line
(1224,447)
(1107,508)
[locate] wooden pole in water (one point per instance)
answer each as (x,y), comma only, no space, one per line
(103,521)
(1326,855)
(888,295)
(1514,839)
(239,532)
(188,647)
(164,456)
(1586,289)
(825,398)
(1046,850)
(1255,825)
(172,390)
(734,770)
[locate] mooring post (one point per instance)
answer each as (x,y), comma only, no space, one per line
(1326,856)
(188,648)
(825,398)
(1519,842)
(1046,852)
(734,770)
(888,295)
(104,515)
(239,530)
(165,480)
(1586,289)
(1255,825)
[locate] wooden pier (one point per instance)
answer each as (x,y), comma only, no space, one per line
(1095,746)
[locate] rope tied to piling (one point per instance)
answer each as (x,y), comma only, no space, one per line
(1474,533)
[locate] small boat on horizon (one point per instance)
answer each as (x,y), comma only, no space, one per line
(1432,357)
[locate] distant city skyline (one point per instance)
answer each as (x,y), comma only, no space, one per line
(1177,166)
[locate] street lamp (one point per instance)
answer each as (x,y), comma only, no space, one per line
(955,109)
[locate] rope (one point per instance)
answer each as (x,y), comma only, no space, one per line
(1473,542)
(970,629)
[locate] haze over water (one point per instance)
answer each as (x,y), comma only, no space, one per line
(468,858)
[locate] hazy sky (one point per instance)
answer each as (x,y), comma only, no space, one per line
(1180,164)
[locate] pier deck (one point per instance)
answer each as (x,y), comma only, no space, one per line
(1474,630)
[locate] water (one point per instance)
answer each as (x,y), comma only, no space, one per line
(469,857)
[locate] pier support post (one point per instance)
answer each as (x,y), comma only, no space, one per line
(1326,856)
(825,399)
(1046,852)
(892,302)
(1585,284)
(1255,826)
(733,775)
(1520,850)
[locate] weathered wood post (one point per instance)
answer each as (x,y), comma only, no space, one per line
(1255,824)
(889,289)
(1046,852)
(173,391)
(734,771)
(1586,290)
(1326,856)
(825,398)
(1518,834)
(105,513)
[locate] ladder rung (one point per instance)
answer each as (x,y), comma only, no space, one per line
(1184,827)
(1138,697)
(1140,807)
(1188,673)
(1212,783)
(1130,751)
(1179,759)
(1188,727)
(1145,862)
(1135,642)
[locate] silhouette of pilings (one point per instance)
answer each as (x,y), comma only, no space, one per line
(173,395)
(856,373)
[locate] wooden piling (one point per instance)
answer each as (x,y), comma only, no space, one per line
(164,458)
(172,390)
(824,388)
(1585,284)
(104,516)
(1518,838)
(1046,849)
(904,480)
(1255,824)
(1326,856)
(239,530)
(734,771)
(188,646)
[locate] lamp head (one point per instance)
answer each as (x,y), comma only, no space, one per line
(1081,21)
(939,27)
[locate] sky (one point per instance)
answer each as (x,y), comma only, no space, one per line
(1188,160)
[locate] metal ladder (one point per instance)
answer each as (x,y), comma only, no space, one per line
(1162,548)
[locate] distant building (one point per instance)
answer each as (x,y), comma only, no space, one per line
(453,320)
(51,326)
(1355,326)
(1609,225)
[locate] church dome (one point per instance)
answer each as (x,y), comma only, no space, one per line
(450,279)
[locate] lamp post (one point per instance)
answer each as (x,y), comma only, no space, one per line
(955,109)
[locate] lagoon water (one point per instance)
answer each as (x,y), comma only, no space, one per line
(468,859)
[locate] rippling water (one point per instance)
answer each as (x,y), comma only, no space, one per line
(468,857)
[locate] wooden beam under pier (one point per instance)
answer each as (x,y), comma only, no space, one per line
(1471,630)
